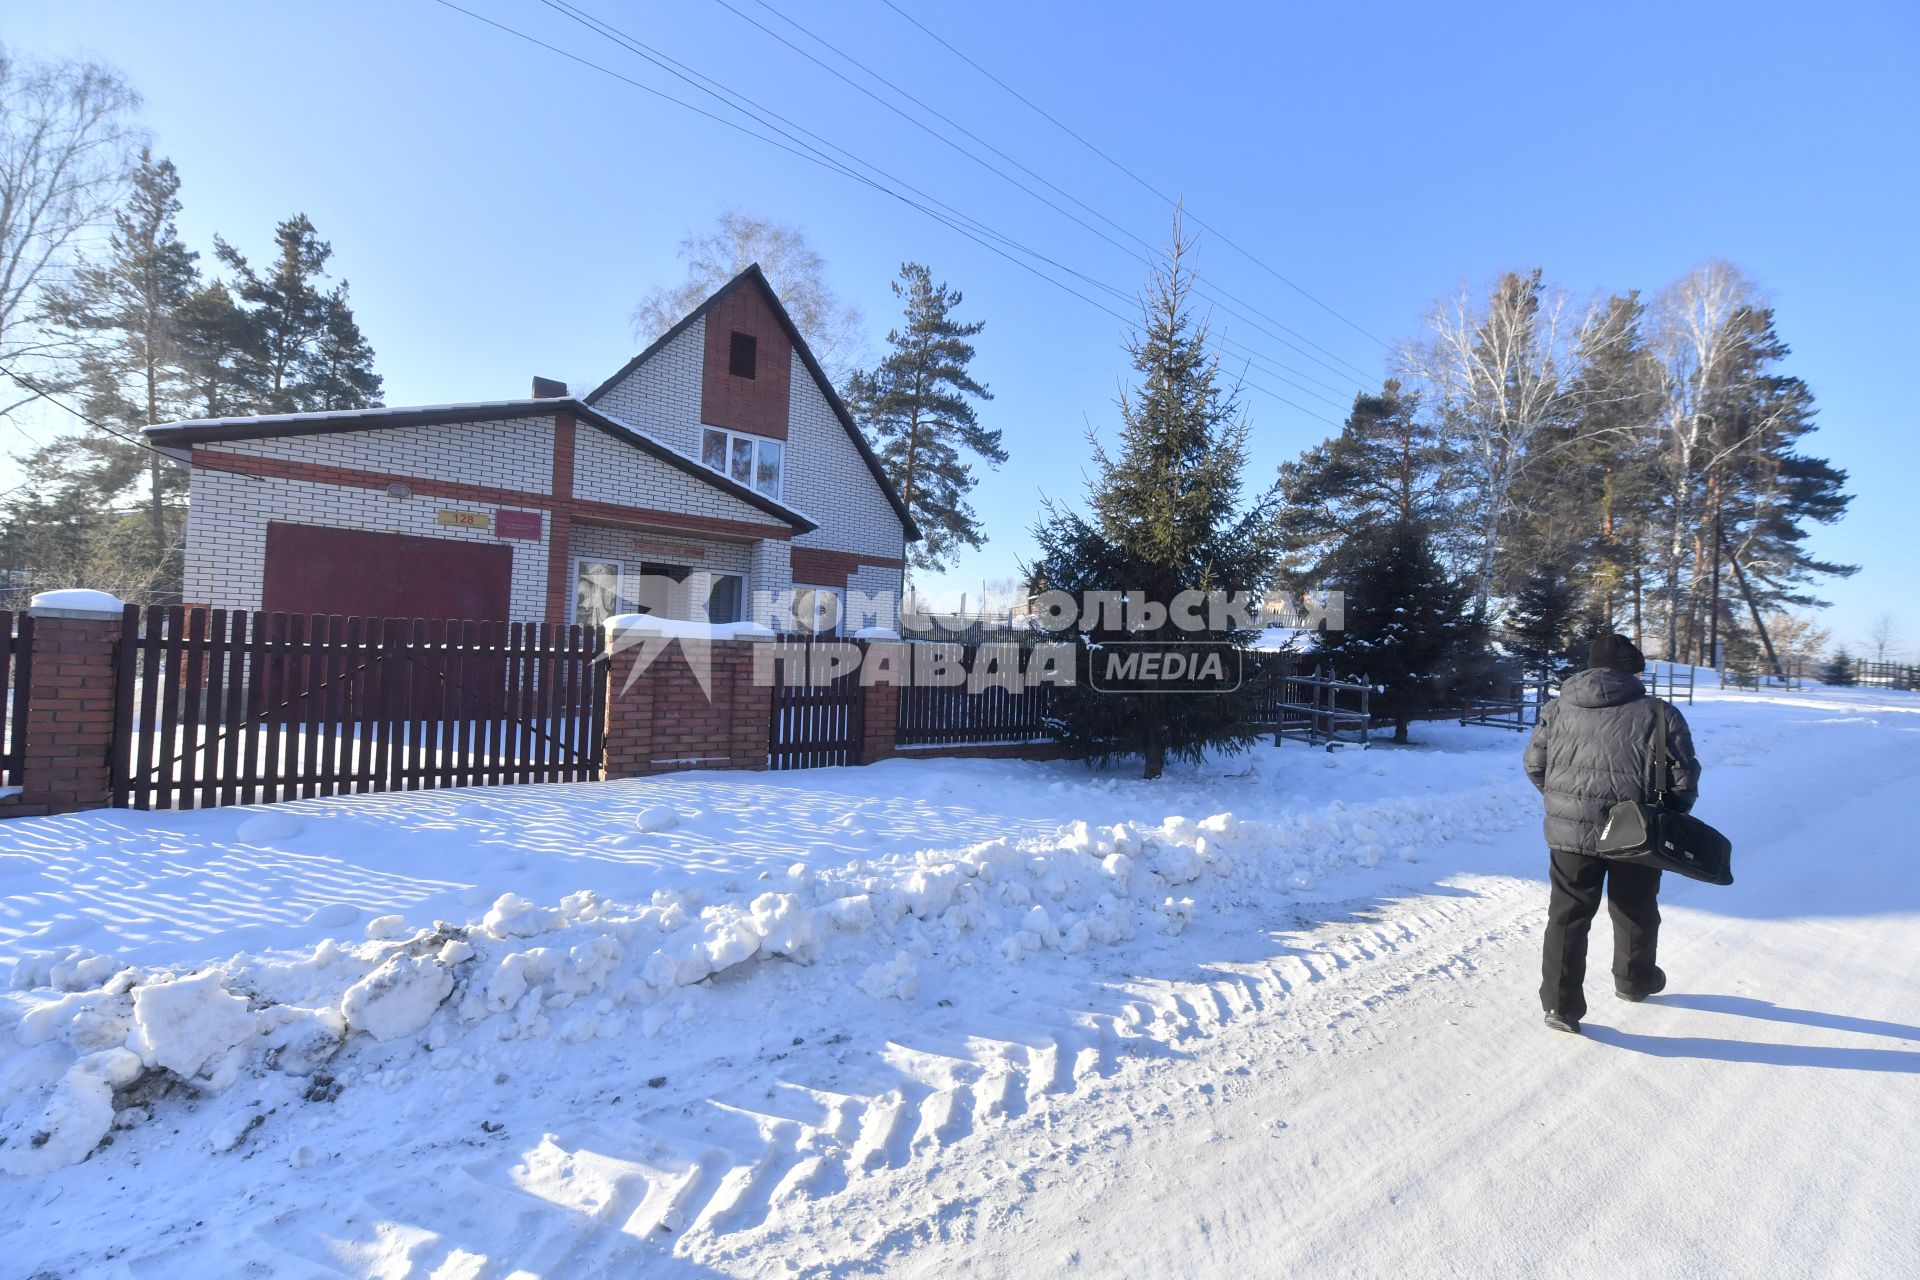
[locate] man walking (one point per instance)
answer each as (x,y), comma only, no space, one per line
(1594,747)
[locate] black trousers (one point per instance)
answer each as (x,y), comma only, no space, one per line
(1632,894)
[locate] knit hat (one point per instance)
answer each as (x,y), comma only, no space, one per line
(1616,653)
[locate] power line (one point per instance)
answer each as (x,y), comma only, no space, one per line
(1058,124)
(1015,182)
(953,220)
(57,403)
(754,110)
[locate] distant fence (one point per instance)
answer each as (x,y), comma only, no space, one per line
(1679,681)
(1886,675)
(217,708)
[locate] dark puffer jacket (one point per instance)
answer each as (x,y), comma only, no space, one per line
(1593,748)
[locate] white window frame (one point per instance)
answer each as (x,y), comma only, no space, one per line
(757,441)
(573,588)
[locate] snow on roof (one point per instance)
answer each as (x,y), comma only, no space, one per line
(382,411)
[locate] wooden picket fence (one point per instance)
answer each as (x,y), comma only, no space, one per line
(959,714)
(217,708)
(811,724)
(16,674)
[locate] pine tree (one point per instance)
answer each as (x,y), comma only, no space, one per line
(342,361)
(1409,627)
(303,350)
(218,354)
(124,311)
(1165,516)
(1387,464)
(917,409)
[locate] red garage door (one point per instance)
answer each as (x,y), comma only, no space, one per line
(353,573)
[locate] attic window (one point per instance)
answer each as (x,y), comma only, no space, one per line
(742,355)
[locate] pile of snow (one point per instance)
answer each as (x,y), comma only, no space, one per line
(97,1033)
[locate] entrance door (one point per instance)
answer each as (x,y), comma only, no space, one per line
(352,572)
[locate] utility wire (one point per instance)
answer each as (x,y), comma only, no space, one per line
(1006,177)
(1300,380)
(952,220)
(57,403)
(747,106)
(1058,124)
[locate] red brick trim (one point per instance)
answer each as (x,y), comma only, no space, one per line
(562,483)
(759,405)
(610,512)
(560,523)
(817,567)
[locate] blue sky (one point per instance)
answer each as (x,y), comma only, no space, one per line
(499,209)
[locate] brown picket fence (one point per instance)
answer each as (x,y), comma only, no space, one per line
(219,708)
(968,715)
(813,725)
(16,674)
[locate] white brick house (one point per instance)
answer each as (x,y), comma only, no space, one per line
(717,475)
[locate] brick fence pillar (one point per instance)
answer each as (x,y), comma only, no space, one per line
(67,764)
(887,663)
(663,720)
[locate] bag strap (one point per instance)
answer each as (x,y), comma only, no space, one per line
(1662,763)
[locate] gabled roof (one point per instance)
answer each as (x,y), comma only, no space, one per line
(753,276)
(180,435)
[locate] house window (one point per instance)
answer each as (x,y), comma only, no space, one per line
(753,461)
(596,591)
(816,610)
(742,355)
(725,593)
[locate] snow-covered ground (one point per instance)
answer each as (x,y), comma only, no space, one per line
(1273,1016)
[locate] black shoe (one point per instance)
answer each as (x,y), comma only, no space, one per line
(1559,1023)
(1653,988)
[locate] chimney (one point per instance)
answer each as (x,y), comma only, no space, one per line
(549,389)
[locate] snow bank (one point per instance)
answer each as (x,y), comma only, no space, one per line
(591,967)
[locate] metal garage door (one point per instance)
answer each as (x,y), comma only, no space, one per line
(355,573)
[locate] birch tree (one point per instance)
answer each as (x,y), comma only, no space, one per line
(66,152)
(1495,372)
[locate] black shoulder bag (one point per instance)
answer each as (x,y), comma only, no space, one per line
(1652,835)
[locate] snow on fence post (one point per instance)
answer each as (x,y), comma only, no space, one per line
(692,703)
(67,759)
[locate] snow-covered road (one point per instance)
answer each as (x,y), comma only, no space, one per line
(1035,1025)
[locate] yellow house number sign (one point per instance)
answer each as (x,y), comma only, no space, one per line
(465,519)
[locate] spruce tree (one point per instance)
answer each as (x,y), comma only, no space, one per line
(917,409)
(1543,625)
(1839,668)
(1165,515)
(1409,626)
